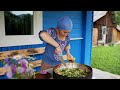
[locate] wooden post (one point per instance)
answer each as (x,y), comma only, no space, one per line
(87,37)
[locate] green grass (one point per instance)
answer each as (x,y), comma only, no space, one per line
(106,58)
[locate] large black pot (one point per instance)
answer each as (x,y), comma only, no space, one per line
(72,65)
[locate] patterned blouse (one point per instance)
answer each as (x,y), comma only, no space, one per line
(49,56)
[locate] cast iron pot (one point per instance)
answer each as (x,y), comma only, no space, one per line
(72,65)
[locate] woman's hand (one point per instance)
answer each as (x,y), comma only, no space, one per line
(70,57)
(58,50)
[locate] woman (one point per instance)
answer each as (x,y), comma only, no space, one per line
(57,40)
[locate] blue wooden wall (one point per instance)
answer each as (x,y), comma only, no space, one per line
(50,20)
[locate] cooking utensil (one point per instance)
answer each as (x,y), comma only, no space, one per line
(72,65)
(62,60)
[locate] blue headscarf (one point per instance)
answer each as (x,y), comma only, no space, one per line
(64,23)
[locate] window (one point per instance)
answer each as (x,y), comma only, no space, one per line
(18,22)
(27,38)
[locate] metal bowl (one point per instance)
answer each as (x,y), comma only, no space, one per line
(56,75)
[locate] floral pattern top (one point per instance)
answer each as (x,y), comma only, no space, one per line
(49,56)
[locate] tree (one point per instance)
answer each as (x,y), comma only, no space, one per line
(117,17)
(18,24)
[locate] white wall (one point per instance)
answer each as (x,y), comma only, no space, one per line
(16,40)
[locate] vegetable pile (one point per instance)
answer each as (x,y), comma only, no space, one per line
(73,72)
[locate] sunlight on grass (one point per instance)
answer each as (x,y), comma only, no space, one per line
(106,58)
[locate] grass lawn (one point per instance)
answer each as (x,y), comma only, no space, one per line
(106,58)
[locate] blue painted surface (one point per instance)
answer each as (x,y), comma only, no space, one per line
(50,20)
(20,47)
(1,64)
(87,35)
(2,77)
(37,69)
(76,50)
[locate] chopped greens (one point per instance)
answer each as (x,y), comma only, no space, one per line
(72,72)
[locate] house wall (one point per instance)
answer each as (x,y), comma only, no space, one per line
(118,36)
(115,35)
(95,36)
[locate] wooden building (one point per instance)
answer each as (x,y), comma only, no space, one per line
(105,30)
